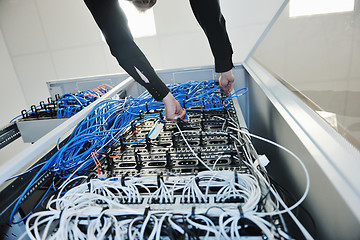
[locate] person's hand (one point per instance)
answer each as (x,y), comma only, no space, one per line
(173,110)
(226,81)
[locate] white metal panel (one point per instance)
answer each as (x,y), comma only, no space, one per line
(33,130)
(333,163)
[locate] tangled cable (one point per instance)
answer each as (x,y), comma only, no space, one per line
(98,209)
(66,105)
(229,204)
(110,119)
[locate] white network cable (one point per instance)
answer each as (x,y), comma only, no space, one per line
(287,209)
(200,160)
(97,204)
(245,187)
(162,194)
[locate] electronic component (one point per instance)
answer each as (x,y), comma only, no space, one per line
(126,172)
(63,106)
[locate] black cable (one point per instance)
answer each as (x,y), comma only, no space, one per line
(292,197)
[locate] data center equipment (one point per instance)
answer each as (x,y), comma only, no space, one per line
(257,110)
(269,109)
(32,124)
(62,106)
(127,173)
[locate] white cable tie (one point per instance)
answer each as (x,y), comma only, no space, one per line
(155,131)
(262,160)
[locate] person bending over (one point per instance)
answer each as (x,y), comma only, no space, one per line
(113,23)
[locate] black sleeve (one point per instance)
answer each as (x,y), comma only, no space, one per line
(210,18)
(113,23)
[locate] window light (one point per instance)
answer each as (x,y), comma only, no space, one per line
(311,7)
(142,24)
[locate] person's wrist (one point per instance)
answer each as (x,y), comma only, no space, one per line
(168,98)
(228,75)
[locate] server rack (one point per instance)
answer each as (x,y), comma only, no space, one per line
(273,111)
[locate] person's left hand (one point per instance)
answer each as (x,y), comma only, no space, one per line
(173,110)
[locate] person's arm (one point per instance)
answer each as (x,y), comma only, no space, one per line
(113,24)
(211,20)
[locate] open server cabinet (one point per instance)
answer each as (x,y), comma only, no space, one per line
(270,110)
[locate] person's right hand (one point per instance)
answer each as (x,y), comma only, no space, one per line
(173,110)
(226,81)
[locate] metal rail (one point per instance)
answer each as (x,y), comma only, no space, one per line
(9,134)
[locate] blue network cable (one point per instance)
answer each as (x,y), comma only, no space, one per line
(110,119)
(68,104)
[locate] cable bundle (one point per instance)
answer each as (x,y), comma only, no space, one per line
(95,209)
(229,204)
(110,119)
(203,94)
(70,104)
(65,106)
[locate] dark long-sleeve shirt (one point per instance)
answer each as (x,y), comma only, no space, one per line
(113,23)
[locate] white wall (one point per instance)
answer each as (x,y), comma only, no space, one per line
(56,39)
(11,97)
